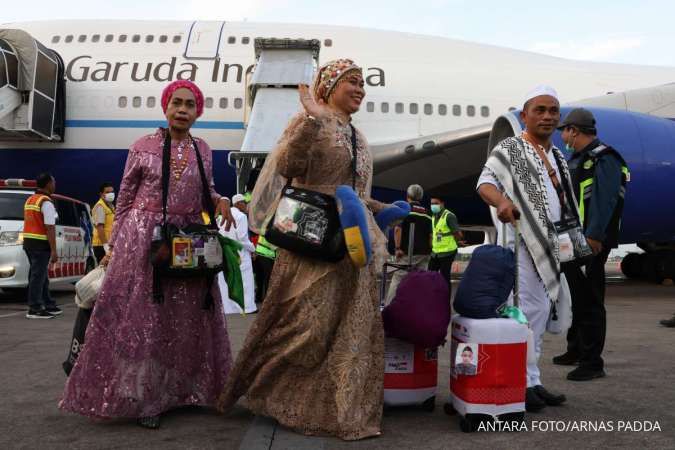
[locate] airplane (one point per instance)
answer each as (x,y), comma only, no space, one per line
(433,107)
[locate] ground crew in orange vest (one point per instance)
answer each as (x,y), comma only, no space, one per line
(39,243)
(103,215)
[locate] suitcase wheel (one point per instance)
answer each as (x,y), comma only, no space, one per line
(471,422)
(449,409)
(429,404)
(513,417)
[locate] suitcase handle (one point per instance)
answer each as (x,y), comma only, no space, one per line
(516,251)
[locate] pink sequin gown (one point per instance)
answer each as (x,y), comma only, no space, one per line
(141,359)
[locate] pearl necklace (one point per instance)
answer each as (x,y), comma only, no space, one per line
(179,163)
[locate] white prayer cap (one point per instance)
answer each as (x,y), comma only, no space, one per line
(238,198)
(542,89)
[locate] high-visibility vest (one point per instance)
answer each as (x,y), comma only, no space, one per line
(33,221)
(107,225)
(443,239)
(265,249)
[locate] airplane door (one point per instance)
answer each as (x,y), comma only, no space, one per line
(204,40)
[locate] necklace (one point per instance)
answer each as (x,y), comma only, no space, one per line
(179,162)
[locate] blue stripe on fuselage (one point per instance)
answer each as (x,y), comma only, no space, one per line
(206,124)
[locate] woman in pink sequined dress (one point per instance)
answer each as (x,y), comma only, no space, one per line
(143,358)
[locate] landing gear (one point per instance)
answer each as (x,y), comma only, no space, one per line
(654,266)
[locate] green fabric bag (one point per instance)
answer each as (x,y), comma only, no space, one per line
(232,272)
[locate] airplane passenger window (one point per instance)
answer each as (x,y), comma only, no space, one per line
(512,108)
(151,102)
(428,109)
(96,38)
(399,108)
(231,40)
(370,106)
(484,111)
(328,42)
(122,38)
(384,107)
(149,38)
(456,110)
(470,110)
(82,38)
(223,102)
(245,40)
(56,39)
(69,38)
(442,110)
(413,108)
(136,102)
(208,102)
(163,38)
(238,103)
(136,38)
(177,38)
(109,37)
(122,102)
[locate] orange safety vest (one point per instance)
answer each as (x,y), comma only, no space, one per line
(33,221)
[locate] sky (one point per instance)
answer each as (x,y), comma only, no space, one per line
(621,31)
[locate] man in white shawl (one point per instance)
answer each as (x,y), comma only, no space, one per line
(518,183)
(240,234)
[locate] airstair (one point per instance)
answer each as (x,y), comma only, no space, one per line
(272,99)
(32,89)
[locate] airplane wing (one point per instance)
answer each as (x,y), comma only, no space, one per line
(445,164)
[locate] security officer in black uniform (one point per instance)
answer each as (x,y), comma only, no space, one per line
(599,177)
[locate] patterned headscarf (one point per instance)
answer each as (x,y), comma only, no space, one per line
(180,84)
(329,74)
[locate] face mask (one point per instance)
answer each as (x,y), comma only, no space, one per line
(109,197)
(570,147)
(435,209)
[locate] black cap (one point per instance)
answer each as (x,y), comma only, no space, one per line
(580,118)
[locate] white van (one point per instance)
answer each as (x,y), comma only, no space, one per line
(73,237)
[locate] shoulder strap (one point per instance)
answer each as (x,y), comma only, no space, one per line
(354,155)
(206,192)
(166,161)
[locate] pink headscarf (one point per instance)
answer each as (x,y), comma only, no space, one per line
(179,84)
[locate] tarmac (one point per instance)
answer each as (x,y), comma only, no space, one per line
(637,394)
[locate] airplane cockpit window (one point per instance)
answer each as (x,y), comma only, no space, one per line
(122,38)
(56,39)
(456,110)
(484,111)
(328,42)
(384,107)
(442,110)
(149,38)
(163,38)
(245,40)
(69,38)
(370,106)
(177,38)
(82,38)
(151,102)
(470,110)
(238,103)
(399,108)
(414,108)
(136,38)
(231,40)
(109,37)
(122,102)
(96,38)
(208,102)
(136,102)
(428,109)
(223,102)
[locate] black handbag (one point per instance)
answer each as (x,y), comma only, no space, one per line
(307,222)
(189,252)
(77,341)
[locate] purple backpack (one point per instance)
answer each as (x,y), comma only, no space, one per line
(420,311)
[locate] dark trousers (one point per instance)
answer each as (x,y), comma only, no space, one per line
(99,253)
(38,280)
(586,336)
(263,270)
(444,266)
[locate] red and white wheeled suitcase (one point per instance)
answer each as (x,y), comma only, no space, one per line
(410,374)
(493,384)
